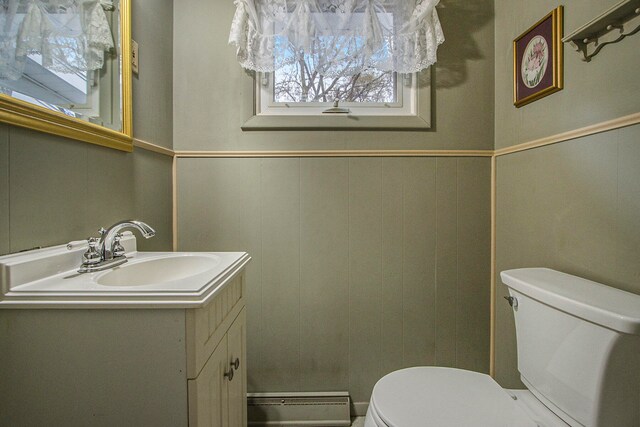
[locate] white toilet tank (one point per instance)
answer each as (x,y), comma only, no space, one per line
(578,346)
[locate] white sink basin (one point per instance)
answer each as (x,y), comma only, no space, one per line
(49,278)
(158,270)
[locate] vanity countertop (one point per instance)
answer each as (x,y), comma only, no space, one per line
(48,278)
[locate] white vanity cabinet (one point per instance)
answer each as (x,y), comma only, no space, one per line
(125,359)
(216,354)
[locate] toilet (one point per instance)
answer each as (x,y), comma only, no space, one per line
(578,347)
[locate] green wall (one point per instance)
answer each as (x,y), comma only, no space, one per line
(363,265)
(54,190)
(605,88)
(213,96)
(152,29)
(360,266)
(572,206)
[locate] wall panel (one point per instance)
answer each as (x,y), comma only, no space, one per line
(360,265)
(280,225)
(392,338)
(324,274)
(152,29)
(48,188)
(573,207)
(213,95)
(418,269)
(365,275)
(473,223)
(596,91)
(446,261)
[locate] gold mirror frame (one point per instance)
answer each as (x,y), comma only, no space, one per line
(23,114)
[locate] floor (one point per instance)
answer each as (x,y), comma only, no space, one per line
(357,422)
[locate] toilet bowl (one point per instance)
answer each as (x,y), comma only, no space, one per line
(578,343)
(448,397)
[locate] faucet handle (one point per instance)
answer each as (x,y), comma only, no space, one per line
(76,244)
(91,256)
(118,249)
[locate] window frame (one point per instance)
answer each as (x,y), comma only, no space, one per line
(420,120)
(405,105)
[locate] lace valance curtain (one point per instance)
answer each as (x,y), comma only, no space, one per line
(69,35)
(340,37)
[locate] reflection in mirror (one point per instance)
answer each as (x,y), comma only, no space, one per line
(63,55)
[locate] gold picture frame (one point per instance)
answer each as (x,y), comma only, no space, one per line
(538,56)
(24,114)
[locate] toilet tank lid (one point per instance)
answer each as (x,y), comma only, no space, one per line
(603,305)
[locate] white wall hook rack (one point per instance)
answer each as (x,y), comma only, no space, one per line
(612,26)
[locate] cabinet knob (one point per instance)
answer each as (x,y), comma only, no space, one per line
(229,374)
(235,364)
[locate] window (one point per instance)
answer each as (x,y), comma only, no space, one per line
(297,90)
(364,55)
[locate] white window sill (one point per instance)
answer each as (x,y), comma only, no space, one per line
(333,122)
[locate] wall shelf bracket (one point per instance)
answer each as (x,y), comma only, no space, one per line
(611,26)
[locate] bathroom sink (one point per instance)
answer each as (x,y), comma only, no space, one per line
(158,270)
(50,278)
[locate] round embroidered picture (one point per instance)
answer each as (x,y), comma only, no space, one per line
(535,61)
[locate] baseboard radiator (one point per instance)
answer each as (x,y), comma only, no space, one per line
(318,409)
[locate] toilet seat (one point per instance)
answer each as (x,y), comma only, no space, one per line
(443,397)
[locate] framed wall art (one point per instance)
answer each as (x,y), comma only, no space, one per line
(538,60)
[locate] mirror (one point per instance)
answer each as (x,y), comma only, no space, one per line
(65,68)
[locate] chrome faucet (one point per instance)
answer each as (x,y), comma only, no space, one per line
(106,251)
(112,235)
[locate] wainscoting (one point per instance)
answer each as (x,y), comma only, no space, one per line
(360,265)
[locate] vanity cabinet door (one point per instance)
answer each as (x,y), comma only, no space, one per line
(206,326)
(236,340)
(208,394)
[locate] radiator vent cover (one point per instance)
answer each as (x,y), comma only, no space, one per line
(318,409)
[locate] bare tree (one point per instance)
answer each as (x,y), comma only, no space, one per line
(330,74)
